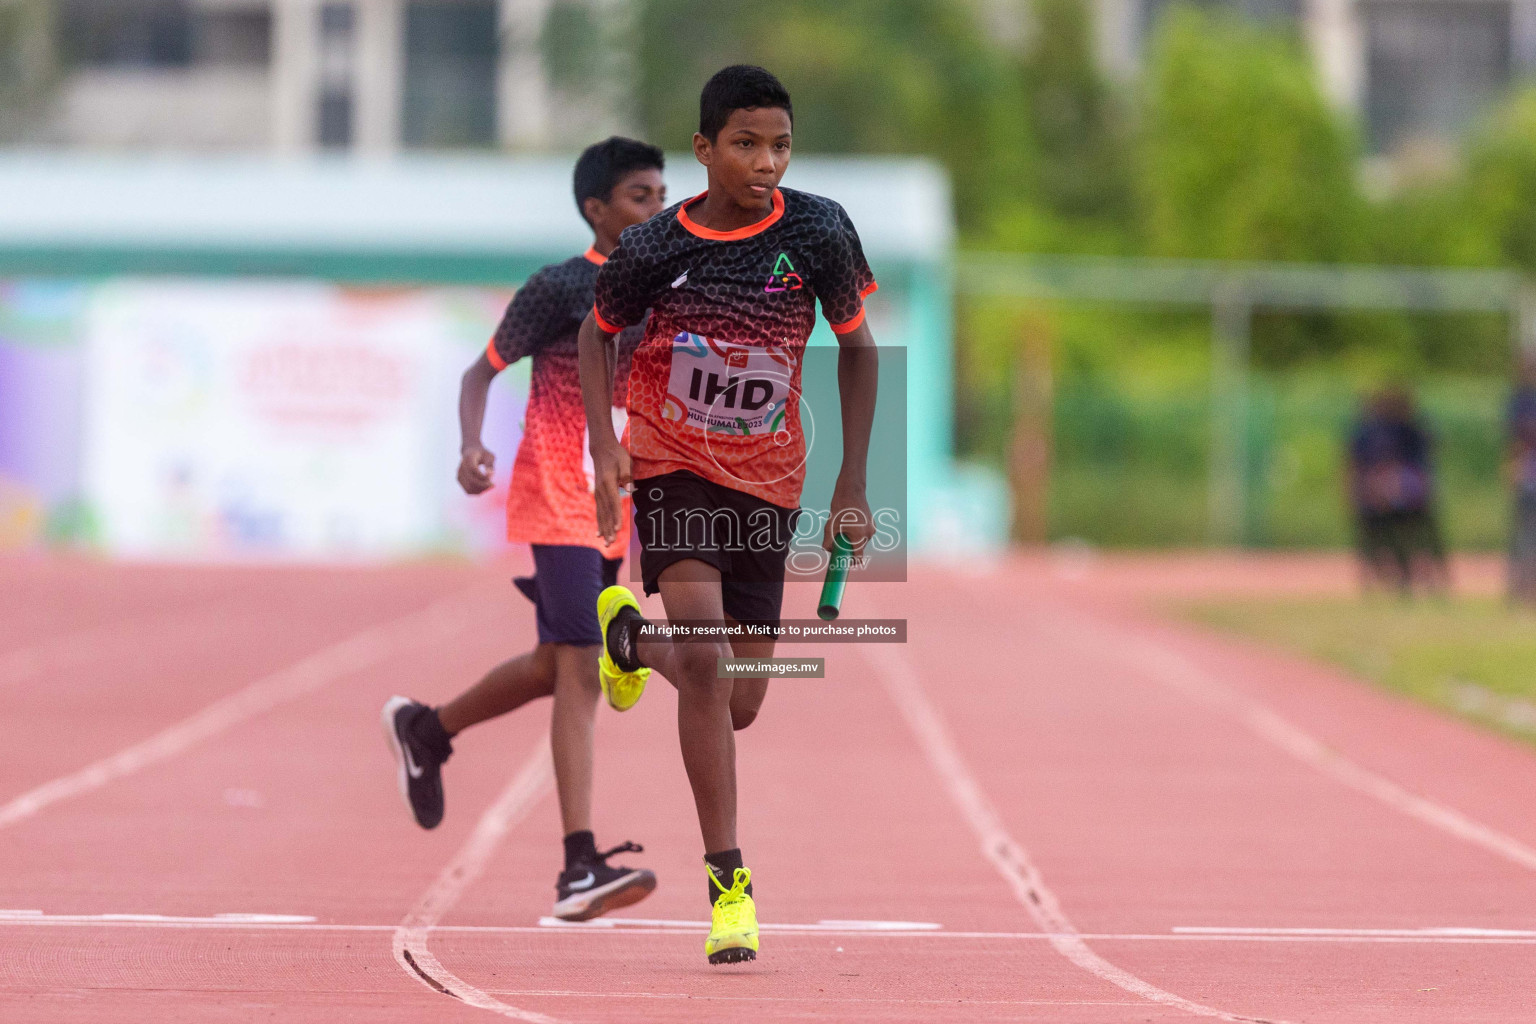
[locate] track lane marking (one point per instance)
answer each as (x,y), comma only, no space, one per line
(1178,672)
(659,924)
(820,998)
(409,941)
(1368,936)
(437,622)
(28,916)
(1010,859)
(1358,933)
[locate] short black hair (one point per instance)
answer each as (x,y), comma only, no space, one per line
(739,87)
(603,165)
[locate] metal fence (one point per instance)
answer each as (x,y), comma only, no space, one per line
(1256,425)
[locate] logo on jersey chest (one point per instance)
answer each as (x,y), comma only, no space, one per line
(783,277)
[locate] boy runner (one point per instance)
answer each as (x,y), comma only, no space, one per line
(549,505)
(716,452)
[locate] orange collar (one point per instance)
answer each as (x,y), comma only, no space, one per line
(731,236)
(593,256)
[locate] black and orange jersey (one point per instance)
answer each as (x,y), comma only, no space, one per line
(715,384)
(550,499)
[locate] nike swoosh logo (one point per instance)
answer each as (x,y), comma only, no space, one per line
(679,282)
(410,762)
(584,883)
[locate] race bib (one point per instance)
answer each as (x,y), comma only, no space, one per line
(728,389)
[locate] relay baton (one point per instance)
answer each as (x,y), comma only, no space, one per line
(831,602)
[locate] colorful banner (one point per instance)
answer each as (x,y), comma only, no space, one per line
(272,419)
(42,371)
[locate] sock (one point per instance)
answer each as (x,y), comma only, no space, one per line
(723,866)
(428,729)
(580,848)
(621,644)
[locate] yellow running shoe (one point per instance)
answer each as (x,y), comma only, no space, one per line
(623,689)
(733,923)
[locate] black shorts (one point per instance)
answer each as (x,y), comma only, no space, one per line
(681,515)
(564,586)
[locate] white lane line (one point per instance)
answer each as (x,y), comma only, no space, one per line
(1379,936)
(28,916)
(659,924)
(65,921)
(435,623)
(1362,933)
(820,998)
(1180,673)
(1010,859)
(527,787)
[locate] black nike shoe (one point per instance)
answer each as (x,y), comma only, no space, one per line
(420,751)
(588,890)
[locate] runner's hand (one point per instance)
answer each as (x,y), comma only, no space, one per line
(475,467)
(611,470)
(850,515)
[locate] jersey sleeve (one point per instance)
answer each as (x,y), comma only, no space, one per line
(843,277)
(624,285)
(531,320)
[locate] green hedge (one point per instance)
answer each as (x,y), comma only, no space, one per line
(1130,466)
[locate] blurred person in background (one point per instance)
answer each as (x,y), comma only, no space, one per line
(1391,481)
(1520,465)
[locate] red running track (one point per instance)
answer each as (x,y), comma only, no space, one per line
(1081,813)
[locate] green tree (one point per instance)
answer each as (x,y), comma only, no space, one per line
(867,76)
(1079,183)
(28,71)
(1240,155)
(1502,180)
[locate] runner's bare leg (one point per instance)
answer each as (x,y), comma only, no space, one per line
(504,688)
(570,732)
(690,590)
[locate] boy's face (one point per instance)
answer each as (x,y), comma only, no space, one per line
(748,157)
(639,196)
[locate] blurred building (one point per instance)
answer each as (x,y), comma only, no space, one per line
(384,75)
(1416,70)
(296,75)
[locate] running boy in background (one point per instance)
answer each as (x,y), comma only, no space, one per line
(549,505)
(717,453)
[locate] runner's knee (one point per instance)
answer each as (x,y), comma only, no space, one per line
(696,665)
(574,672)
(545,667)
(746,700)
